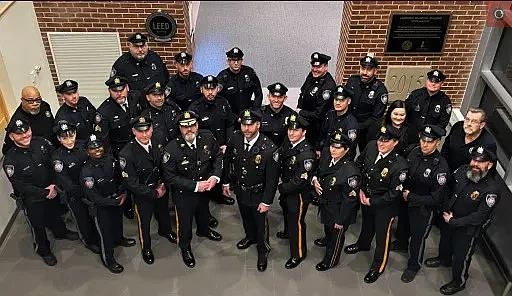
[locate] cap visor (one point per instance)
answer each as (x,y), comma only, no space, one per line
(188,122)
(157,92)
(118,88)
(94,145)
(142,128)
(210,85)
(247,121)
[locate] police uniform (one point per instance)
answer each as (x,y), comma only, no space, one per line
(67,164)
(383,176)
(297,164)
(140,73)
(315,97)
(82,116)
(472,205)
(369,100)
(243,89)
(184,91)
(101,185)
(30,171)
(422,108)
(340,181)
(273,123)
(185,165)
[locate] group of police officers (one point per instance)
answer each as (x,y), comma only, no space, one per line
(193,138)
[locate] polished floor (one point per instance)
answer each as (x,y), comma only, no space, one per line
(221,268)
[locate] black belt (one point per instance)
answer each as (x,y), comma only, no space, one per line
(254,188)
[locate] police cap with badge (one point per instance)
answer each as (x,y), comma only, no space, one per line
(436,76)
(431,132)
(277,89)
(67,87)
(369,61)
(93,142)
(235,53)
(116,83)
(64,128)
(138,39)
(209,82)
(318,59)
(141,123)
(18,126)
(187,118)
(482,154)
(183,58)
(389,132)
(341,93)
(296,121)
(248,116)
(339,140)
(154,88)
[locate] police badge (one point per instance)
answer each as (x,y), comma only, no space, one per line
(441,178)
(427,173)
(333,181)
(153,66)
(292,160)
(57,166)
(490,199)
(326,94)
(165,157)
(371,94)
(48,114)
(124,174)
(437,108)
(9,169)
(257,159)
(384,172)
(474,195)
(122,162)
(89,182)
(308,164)
(275,156)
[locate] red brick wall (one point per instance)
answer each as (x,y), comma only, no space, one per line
(125,17)
(364,29)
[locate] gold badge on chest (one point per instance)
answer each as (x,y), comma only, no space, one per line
(333,181)
(257,159)
(293,160)
(384,172)
(474,195)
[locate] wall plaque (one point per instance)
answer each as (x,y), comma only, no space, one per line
(161,26)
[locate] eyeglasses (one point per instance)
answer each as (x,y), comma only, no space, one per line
(33,101)
(472,121)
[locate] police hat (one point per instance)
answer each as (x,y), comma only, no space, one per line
(183,58)
(341,93)
(431,133)
(209,82)
(369,61)
(249,117)
(388,132)
(277,89)
(481,154)
(318,59)
(68,86)
(436,76)
(340,140)
(296,121)
(116,83)
(138,39)
(64,128)
(141,123)
(187,118)
(235,53)
(18,126)
(93,142)
(155,88)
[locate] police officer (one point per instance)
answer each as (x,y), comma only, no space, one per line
(101,184)
(275,114)
(255,174)
(140,162)
(184,87)
(468,212)
(427,105)
(239,83)
(68,160)
(140,65)
(315,95)
(336,181)
(28,167)
(297,164)
(192,165)
(76,109)
(36,112)
(370,97)
(425,190)
(383,172)
(163,115)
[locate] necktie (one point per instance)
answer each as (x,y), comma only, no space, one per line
(149,149)
(125,107)
(247,146)
(379,157)
(193,147)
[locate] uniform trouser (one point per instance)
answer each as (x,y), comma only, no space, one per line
(187,206)
(335,240)
(376,222)
(144,211)
(109,223)
(456,247)
(41,215)
(284,208)
(255,226)
(296,213)
(420,225)
(403,232)
(84,223)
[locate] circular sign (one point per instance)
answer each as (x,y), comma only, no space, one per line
(161,26)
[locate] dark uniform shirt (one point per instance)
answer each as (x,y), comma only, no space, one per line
(421,109)
(457,152)
(297,166)
(373,134)
(100,181)
(82,116)
(345,123)
(141,73)
(239,88)
(67,164)
(41,124)
(215,116)
(315,98)
(184,91)
(273,125)
(164,121)
(369,100)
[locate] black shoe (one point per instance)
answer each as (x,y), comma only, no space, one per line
(69,235)
(322,266)
(354,248)
(127,242)
(93,248)
(408,276)
(371,276)
(170,237)
(262,261)
(128,213)
(211,235)
(244,243)
(148,257)
(321,242)
(188,257)
(398,247)
(115,267)
(50,259)
(283,235)
(435,262)
(452,288)
(212,222)
(225,200)
(293,262)
(315,202)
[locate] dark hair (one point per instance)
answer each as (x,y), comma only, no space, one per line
(393,106)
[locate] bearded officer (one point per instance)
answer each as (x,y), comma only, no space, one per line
(184,87)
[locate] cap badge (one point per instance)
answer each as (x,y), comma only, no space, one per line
(436,73)
(210,78)
(278,86)
(138,36)
(337,137)
(428,129)
(480,150)
(383,129)
(247,113)
(235,50)
(315,56)
(117,81)
(183,55)
(64,127)
(142,120)
(340,89)
(368,59)
(293,118)
(187,115)
(157,85)
(19,123)
(92,137)
(68,83)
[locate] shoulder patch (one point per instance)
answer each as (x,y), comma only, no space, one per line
(166,157)
(490,199)
(384,98)
(9,169)
(353,181)
(441,178)
(352,134)
(326,94)
(275,155)
(403,176)
(57,166)
(97,118)
(89,182)
(449,108)
(308,164)
(122,162)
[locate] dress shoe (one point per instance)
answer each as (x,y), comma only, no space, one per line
(262,261)
(188,258)
(127,242)
(322,266)
(170,237)
(128,213)
(321,242)
(397,246)
(371,276)
(69,235)
(435,262)
(245,243)
(452,288)
(354,248)
(293,262)
(315,202)
(283,235)
(211,235)
(148,257)
(408,276)
(50,259)
(115,267)
(212,222)
(93,248)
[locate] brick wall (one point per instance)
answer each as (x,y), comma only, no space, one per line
(364,29)
(113,16)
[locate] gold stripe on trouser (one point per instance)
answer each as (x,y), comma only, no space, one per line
(338,240)
(265,238)
(387,246)
(177,225)
(140,226)
(299,236)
